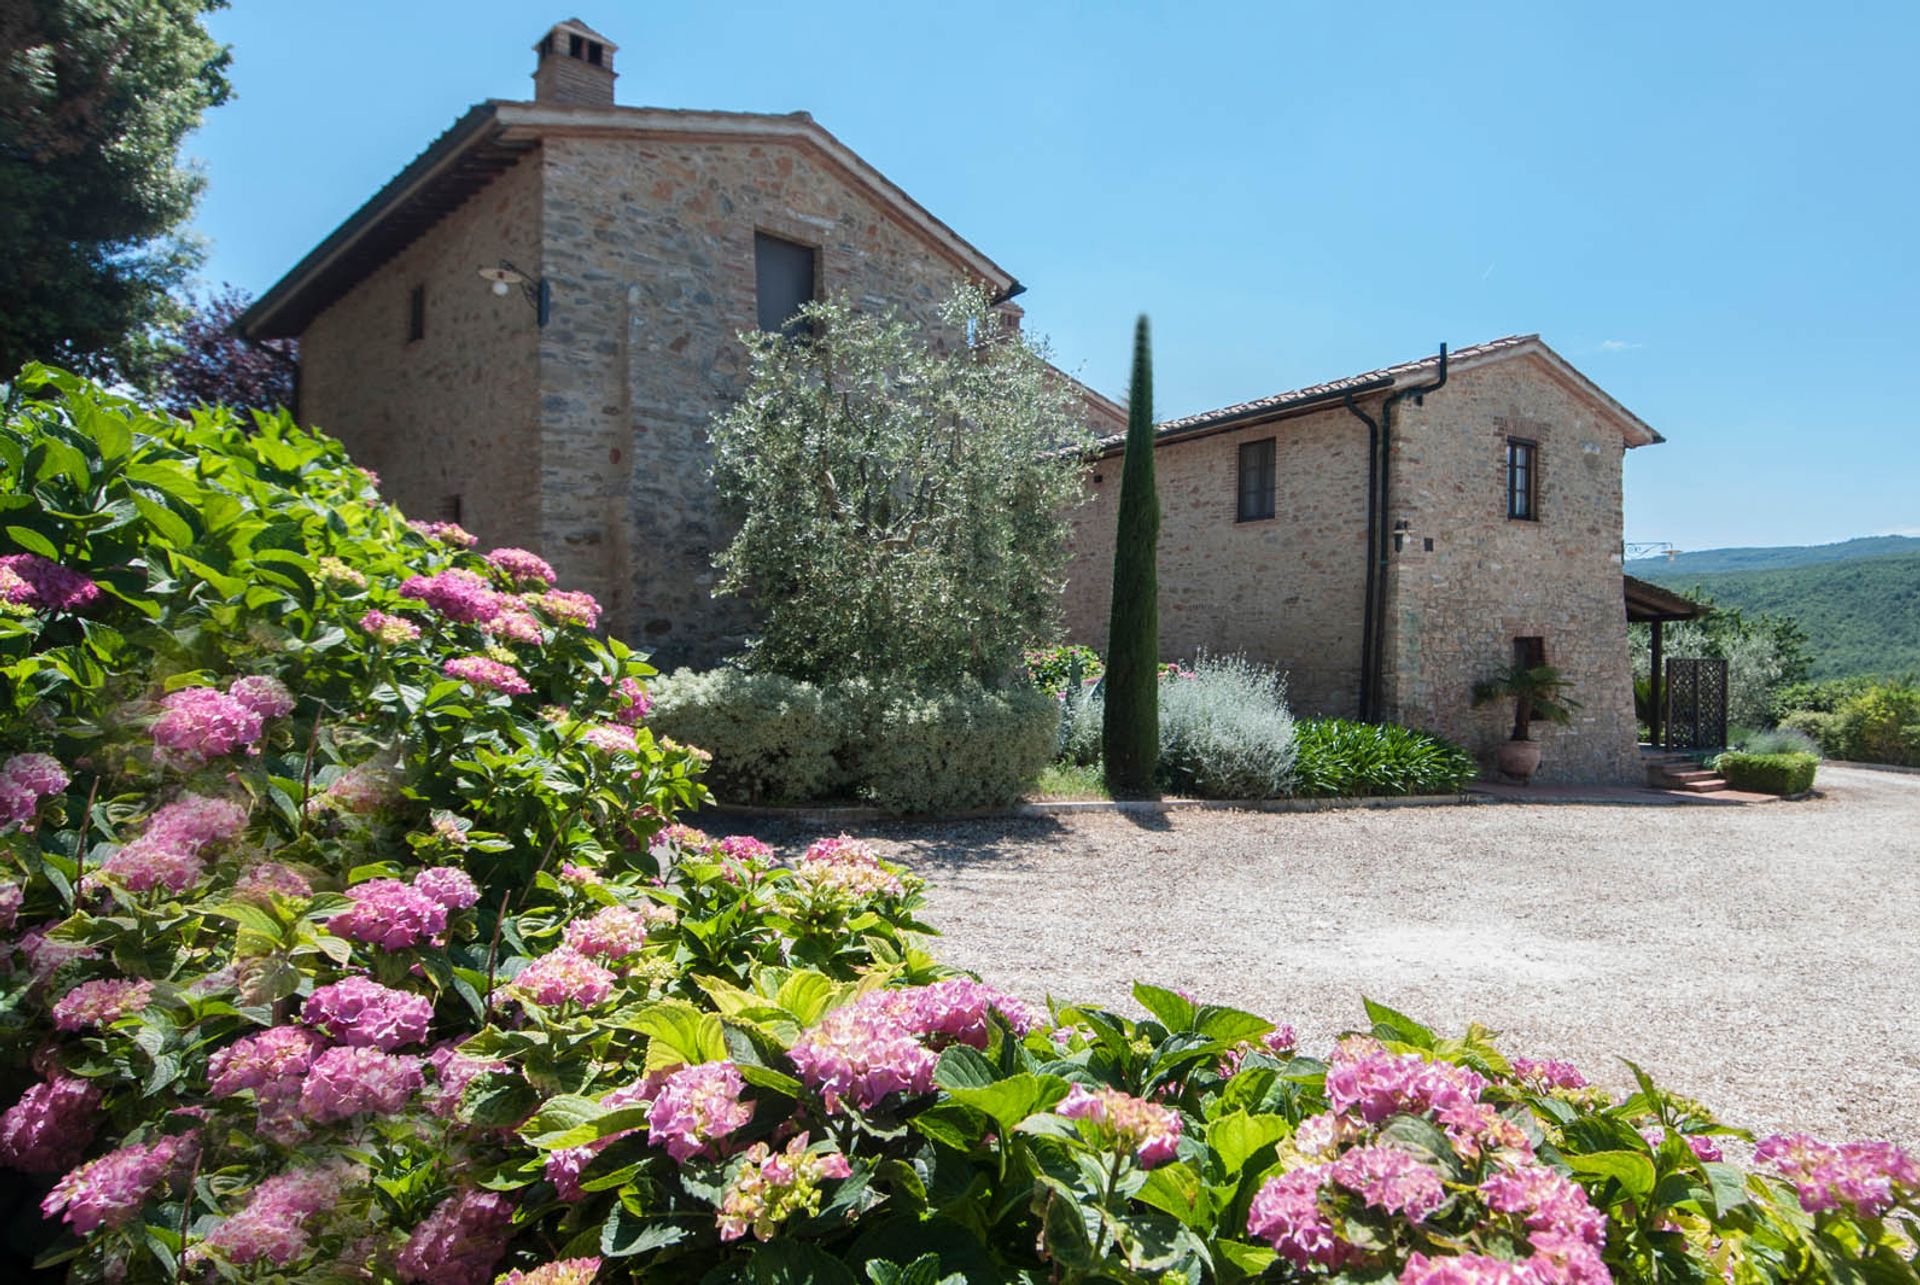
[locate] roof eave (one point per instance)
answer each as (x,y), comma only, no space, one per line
(257,321)
(1248,418)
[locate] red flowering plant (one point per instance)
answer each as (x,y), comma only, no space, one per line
(346,933)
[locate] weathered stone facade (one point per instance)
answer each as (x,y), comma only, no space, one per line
(1289,590)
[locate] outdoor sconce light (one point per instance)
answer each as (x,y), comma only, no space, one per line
(1401,530)
(505,277)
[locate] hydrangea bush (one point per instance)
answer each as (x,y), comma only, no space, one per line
(409,977)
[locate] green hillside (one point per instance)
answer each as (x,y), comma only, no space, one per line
(1862,615)
(1706,562)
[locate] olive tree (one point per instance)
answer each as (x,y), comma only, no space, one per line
(902,492)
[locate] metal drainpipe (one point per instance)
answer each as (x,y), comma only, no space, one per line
(1373,509)
(1379,542)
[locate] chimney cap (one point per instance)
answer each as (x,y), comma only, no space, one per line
(573,27)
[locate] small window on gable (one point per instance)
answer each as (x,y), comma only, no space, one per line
(1256,481)
(783,275)
(1523,480)
(416,313)
(573,45)
(593,52)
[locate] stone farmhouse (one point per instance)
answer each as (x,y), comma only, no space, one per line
(529,328)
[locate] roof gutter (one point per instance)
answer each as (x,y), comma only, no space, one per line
(256,321)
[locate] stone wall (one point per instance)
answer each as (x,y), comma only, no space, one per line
(1287,591)
(452,413)
(1455,610)
(650,255)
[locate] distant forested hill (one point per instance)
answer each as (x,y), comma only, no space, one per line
(1861,611)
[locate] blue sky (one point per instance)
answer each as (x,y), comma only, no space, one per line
(1709,208)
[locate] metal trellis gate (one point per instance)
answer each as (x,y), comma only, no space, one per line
(1696,699)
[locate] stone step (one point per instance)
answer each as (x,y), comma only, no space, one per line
(1695,774)
(1702,787)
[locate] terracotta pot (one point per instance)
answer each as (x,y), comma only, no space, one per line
(1519,759)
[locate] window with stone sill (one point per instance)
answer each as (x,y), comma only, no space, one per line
(1256,481)
(1523,480)
(785,276)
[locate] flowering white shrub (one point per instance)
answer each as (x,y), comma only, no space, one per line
(407,978)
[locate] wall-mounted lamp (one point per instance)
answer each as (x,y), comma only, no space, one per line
(1401,530)
(505,277)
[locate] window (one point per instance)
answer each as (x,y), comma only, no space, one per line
(1523,480)
(451,510)
(783,277)
(1256,481)
(417,313)
(593,52)
(573,45)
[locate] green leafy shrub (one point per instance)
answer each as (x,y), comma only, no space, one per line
(1053,669)
(952,749)
(1823,697)
(1823,729)
(425,987)
(1790,773)
(1338,758)
(1868,722)
(773,738)
(1776,740)
(1225,732)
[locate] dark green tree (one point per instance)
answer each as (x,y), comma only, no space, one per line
(1130,736)
(95,97)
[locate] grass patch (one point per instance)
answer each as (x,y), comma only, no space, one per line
(1070,783)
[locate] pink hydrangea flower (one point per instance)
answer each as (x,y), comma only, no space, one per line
(772,1186)
(389,631)
(1150,1132)
(861,1054)
(361,1011)
(563,976)
(25,779)
(514,623)
(256,1061)
(263,694)
(1378,1084)
(633,703)
(955,1011)
(11,897)
(744,847)
(1468,1269)
(101,1003)
(445,532)
(1548,1073)
(845,866)
(274,1224)
(199,723)
(460,1241)
(613,740)
(1551,1205)
(109,1191)
(1868,1176)
(522,565)
(44,956)
(1286,1213)
(265,879)
(458,595)
(1390,1179)
(452,1072)
(451,886)
(565,1271)
(1476,1129)
(169,854)
(616,932)
(362,789)
(389,914)
(696,1109)
(1280,1041)
(29,580)
(484,671)
(570,607)
(1702,1145)
(48,1129)
(565,1168)
(356,1080)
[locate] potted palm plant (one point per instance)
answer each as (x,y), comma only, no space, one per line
(1537,692)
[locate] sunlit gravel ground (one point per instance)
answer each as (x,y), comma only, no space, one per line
(1765,959)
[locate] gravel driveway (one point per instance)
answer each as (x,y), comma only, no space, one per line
(1765,959)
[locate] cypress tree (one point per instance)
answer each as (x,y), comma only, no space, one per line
(1130,735)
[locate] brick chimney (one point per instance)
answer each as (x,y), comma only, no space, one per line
(576,66)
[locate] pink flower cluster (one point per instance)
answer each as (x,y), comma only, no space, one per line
(360,1011)
(634,704)
(570,607)
(1702,1145)
(846,867)
(445,532)
(1376,1084)
(565,1271)
(1548,1073)
(1390,1179)
(199,723)
(266,879)
(355,1080)
(484,671)
(1869,1176)
(274,1223)
(563,976)
(394,916)
(1567,1233)
(389,631)
(860,1054)
(171,851)
(362,789)
(1286,1213)
(109,1191)
(101,1003)
(772,1186)
(1124,1122)
(25,779)
(48,1129)
(617,932)
(696,1108)
(955,1011)
(610,738)
(458,595)
(522,565)
(29,580)
(274,1065)
(452,1072)
(460,1241)
(12,895)
(564,1168)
